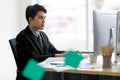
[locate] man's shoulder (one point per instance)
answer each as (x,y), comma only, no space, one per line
(23,32)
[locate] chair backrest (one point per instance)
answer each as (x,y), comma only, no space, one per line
(13,47)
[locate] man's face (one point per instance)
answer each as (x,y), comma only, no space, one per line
(38,21)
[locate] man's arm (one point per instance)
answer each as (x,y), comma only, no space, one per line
(53,52)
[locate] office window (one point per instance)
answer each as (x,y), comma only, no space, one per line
(108,4)
(113,4)
(69,23)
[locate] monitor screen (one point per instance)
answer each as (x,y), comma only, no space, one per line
(118,34)
(117,56)
(103,20)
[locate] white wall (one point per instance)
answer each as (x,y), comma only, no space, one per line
(12,20)
(23,5)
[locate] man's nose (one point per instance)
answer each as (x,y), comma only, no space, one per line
(43,21)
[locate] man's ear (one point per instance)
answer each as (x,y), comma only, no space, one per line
(30,19)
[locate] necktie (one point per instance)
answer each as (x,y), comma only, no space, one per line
(39,39)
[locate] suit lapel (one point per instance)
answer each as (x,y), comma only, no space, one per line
(33,39)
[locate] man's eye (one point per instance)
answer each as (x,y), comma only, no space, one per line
(40,17)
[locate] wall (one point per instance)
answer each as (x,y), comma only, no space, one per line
(12,20)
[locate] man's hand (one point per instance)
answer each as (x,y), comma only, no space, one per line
(60,55)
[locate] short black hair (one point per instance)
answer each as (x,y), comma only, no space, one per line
(32,10)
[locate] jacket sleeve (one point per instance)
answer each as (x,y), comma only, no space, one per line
(52,49)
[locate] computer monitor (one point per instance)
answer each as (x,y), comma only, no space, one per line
(103,20)
(118,34)
(118,38)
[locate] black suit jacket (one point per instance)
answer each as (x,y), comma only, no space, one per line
(28,48)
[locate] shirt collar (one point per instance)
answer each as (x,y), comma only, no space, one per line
(35,33)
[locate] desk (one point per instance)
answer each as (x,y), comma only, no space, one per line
(114,71)
(86,73)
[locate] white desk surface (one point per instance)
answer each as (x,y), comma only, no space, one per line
(85,67)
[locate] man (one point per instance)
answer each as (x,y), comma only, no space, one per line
(33,43)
